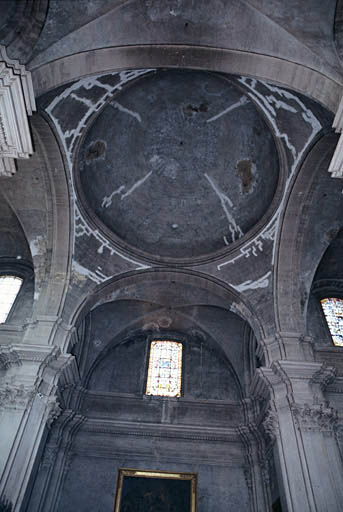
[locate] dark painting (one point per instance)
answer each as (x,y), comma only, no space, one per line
(140,491)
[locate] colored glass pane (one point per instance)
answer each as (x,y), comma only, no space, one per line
(165,366)
(333,311)
(9,288)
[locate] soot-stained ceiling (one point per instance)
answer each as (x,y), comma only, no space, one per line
(179,164)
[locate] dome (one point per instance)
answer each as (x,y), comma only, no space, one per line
(180,164)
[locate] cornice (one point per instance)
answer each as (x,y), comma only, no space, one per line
(135,429)
(17,102)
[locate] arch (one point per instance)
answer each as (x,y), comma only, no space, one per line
(327,283)
(300,247)
(279,71)
(124,337)
(47,227)
(146,283)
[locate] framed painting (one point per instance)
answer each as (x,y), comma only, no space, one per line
(155,491)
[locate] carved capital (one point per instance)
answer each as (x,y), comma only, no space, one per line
(15,396)
(315,418)
(324,376)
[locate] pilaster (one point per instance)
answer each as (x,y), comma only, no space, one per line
(29,404)
(303,425)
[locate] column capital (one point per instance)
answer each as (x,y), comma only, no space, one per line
(13,396)
(300,382)
(315,418)
(287,345)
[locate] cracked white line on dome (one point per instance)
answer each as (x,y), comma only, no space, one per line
(107,200)
(81,226)
(225,201)
(243,101)
(121,108)
(270,105)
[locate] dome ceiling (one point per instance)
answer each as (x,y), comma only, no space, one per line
(179,164)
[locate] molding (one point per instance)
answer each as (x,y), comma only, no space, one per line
(123,428)
(321,88)
(17,101)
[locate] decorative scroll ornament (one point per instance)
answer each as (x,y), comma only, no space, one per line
(17,101)
(270,425)
(53,409)
(54,412)
(315,418)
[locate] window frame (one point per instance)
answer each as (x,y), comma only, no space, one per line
(19,269)
(327,289)
(331,296)
(160,336)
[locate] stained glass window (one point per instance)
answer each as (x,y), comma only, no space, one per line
(9,288)
(333,311)
(165,366)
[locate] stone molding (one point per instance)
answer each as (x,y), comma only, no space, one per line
(191,433)
(315,418)
(17,102)
(49,455)
(336,164)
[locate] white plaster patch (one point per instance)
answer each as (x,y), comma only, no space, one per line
(69,138)
(136,185)
(37,246)
(83,273)
(262,282)
(121,108)
(107,200)
(83,229)
(270,106)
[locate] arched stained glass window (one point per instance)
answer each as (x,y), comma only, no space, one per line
(9,289)
(165,368)
(333,311)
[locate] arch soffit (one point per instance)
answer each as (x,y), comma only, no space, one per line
(217,293)
(53,284)
(290,304)
(307,81)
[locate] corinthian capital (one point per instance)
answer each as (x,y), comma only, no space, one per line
(15,396)
(315,418)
